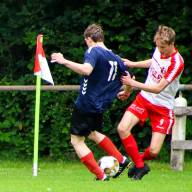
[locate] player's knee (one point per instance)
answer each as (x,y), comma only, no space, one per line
(93,135)
(123,130)
(96,136)
(75,141)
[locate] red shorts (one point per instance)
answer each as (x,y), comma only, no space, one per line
(162,119)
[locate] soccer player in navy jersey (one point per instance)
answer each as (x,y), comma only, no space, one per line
(100,84)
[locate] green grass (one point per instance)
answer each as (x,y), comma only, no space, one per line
(73,177)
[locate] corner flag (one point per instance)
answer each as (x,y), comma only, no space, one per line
(41,70)
(41,66)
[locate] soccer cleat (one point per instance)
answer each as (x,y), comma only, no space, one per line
(140,172)
(122,166)
(132,171)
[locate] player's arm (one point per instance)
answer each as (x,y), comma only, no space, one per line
(146,87)
(83,69)
(137,64)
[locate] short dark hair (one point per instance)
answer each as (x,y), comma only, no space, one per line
(95,32)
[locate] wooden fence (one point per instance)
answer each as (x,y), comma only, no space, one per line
(178,142)
(61,87)
(43,87)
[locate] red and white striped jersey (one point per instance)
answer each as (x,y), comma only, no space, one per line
(170,68)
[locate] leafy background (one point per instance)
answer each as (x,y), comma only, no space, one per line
(129,27)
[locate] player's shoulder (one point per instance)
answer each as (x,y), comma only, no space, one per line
(177,60)
(93,49)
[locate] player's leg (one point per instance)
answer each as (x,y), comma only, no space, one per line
(78,143)
(136,112)
(127,122)
(162,121)
(86,156)
(109,147)
(153,150)
(80,127)
(149,154)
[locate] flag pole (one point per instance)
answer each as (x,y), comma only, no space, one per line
(36,129)
(41,70)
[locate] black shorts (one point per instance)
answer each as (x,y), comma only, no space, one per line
(84,123)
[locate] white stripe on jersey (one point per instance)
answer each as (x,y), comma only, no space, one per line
(176,67)
(171,115)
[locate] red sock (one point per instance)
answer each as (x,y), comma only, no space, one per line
(132,150)
(90,162)
(107,145)
(147,155)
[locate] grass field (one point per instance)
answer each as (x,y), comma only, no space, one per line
(73,177)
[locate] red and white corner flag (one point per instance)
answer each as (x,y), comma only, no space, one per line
(41,67)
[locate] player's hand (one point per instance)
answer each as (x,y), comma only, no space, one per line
(57,57)
(127,80)
(122,95)
(128,63)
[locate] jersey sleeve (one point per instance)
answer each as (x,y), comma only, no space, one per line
(90,57)
(175,69)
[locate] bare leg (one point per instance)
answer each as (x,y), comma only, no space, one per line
(155,146)
(79,145)
(86,156)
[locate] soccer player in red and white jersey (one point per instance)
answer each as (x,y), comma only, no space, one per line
(155,101)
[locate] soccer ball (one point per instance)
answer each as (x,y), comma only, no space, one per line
(109,165)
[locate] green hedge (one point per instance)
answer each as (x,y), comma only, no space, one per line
(129,28)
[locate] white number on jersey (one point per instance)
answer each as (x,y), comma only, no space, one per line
(113,70)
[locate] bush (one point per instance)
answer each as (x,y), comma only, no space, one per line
(129,28)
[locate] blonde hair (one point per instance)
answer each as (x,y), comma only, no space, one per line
(95,32)
(165,34)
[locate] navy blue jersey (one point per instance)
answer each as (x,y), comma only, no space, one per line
(98,90)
